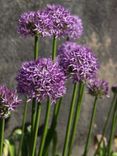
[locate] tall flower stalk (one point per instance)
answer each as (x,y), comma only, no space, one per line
(70,118)
(98,89)
(106,123)
(54,47)
(23,128)
(76,117)
(113,128)
(2,125)
(90,127)
(37,121)
(46,123)
(36,53)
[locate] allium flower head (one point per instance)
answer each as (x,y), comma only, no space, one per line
(41,79)
(58,16)
(78,61)
(114,88)
(8,101)
(74,28)
(98,88)
(26,25)
(32,23)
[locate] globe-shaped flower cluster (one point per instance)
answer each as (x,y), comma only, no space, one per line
(8,101)
(98,88)
(54,20)
(41,79)
(78,61)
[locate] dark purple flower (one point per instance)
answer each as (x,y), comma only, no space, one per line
(98,88)
(26,25)
(114,88)
(8,101)
(78,61)
(41,79)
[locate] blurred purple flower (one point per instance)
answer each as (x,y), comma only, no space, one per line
(8,101)
(78,61)
(41,79)
(98,87)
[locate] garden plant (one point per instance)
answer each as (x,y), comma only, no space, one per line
(44,80)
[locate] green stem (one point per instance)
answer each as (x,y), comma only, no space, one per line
(55,141)
(2,124)
(45,128)
(23,128)
(56,113)
(76,117)
(49,136)
(112,129)
(37,120)
(69,124)
(34,106)
(33,116)
(90,127)
(54,47)
(36,47)
(106,123)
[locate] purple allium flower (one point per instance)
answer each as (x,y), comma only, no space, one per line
(26,26)
(41,79)
(98,88)
(75,27)
(59,19)
(32,23)
(54,20)
(114,88)
(8,101)
(42,23)
(78,61)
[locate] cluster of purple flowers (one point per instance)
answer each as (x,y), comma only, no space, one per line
(98,88)
(54,20)
(78,61)
(41,79)
(8,101)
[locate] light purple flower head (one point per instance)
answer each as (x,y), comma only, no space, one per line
(114,88)
(59,21)
(8,101)
(98,88)
(78,61)
(74,28)
(41,79)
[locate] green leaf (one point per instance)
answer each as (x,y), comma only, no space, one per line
(9,148)
(114,154)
